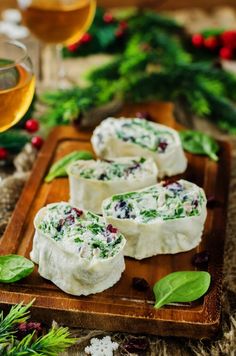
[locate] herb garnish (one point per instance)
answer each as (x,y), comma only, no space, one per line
(149,214)
(52,343)
(59,169)
(183,286)
(199,143)
(14,267)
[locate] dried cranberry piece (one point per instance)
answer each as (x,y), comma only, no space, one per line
(140,284)
(60,224)
(201,259)
(24,329)
(212,202)
(162,145)
(136,345)
(195,203)
(120,205)
(168,182)
(144,115)
(132,168)
(70,219)
(78,212)
(112,229)
(107,160)
(102,176)
(174,186)
(128,138)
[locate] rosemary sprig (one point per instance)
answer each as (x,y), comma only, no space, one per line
(50,344)
(57,340)
(18,314)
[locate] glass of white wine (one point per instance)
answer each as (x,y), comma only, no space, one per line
(17,83)
(58,23)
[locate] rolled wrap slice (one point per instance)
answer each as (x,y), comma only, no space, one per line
(93,181)
(162,219)
(76,250)
(139,137)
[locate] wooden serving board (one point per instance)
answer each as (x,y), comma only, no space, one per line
(121,308)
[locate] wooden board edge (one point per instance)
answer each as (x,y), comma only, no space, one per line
(130,324)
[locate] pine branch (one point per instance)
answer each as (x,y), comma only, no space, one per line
(223,112)
(14,140)
(51,344)
(18,314)
(146,21)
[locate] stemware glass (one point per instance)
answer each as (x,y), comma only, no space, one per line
(57,23)
(17,83)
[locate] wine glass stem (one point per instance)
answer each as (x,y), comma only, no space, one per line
(54,74)
(60,65)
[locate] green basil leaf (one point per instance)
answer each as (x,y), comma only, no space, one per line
(14,267)
(59,168)
(199,143)
(210,147)
(181,287)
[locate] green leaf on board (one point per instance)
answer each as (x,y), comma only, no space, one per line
(199,143)
(59,168)
(182,286)
(14,267)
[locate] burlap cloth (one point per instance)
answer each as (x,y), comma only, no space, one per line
(13,177)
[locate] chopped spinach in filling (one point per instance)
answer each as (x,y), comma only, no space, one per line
(164,201)
(107,170)
(81,232)
(140,132)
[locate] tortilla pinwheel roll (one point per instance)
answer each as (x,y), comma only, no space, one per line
(93,181)
(164,218)
(76,250)
(139,137)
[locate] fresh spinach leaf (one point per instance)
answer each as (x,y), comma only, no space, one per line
(14,267)
(149,214)
(199,143)
(59,168)
(183,286)
(124,196)
(78,239)
(95,228)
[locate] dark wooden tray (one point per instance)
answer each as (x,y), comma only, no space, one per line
(121,307)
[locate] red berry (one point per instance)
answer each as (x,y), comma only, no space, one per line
(32,125)
(123,25)
(121,29)
(226,53)
(197,40)
(119,33)
(3,153)
(211,43)
(73,47)
(37,142)
(108,17)
(86,38)
(228,39)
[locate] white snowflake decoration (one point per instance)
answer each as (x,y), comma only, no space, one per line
(101,347)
